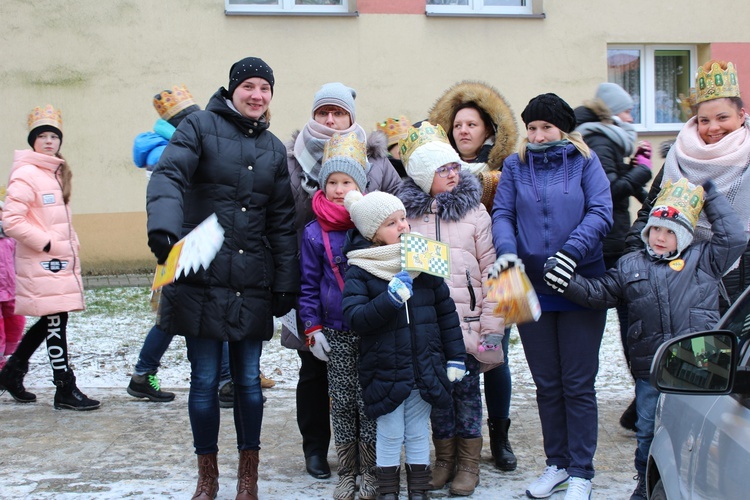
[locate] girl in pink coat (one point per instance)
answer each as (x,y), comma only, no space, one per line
(11,324)
(48,272)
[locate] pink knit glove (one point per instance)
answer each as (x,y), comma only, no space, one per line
(643,154)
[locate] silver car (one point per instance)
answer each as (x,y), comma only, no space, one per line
(701,446)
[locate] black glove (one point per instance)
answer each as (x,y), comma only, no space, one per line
(47,247)
(161,243)
(558,270)
(282,303)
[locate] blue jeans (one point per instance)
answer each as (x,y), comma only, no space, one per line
(156,344)
(646,398)
(203,402)
(498,385)
(562,350)
(407,425)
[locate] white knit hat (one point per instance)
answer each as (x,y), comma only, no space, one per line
(369,211)
(426,159)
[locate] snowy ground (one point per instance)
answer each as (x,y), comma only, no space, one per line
(104,345)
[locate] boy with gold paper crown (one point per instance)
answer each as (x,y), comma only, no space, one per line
(671,287)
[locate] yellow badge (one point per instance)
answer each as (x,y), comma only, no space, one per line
(677,264)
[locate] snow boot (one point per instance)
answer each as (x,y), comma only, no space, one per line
(147,386)
(247,475)
(208,477)
(467,469)
(368,486)
(348,468)
(11,380)
(445,462)
(418,480)
(388,482)
(502,452)
(68,396)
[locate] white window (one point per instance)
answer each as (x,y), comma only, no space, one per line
(312,7)
(483,7)
(659,78)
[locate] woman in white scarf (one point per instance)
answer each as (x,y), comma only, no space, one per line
(713,144)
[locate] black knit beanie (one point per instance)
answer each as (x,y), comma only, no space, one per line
(42,129)
(550,108)
(249,67)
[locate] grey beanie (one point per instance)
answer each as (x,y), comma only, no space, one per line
(346,165)
(672,219)
(615,97)
(426,159)
(369,211)
(336,94)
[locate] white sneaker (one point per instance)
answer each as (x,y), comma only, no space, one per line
(551,480)
(578,489)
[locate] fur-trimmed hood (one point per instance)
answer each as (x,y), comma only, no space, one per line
(377,145)
(593,110)
(490,100)
(452,205)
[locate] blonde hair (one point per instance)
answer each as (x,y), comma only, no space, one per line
(575,138)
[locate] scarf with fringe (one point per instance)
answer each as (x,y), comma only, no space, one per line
(726,163)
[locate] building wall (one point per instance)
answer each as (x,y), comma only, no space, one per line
(102,62)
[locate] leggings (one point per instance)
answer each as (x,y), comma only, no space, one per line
(51,328)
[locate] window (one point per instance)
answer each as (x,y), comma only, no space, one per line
(659,78)
(310,7)
(484,7)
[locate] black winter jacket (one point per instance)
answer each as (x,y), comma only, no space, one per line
(396,356)
(732,285)
(221,162)
(664,299)
(625,181)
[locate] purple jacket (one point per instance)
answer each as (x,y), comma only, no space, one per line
(321,297)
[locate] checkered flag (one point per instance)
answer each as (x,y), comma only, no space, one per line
(425,255)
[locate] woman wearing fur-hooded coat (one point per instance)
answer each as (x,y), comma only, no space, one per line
(487,166)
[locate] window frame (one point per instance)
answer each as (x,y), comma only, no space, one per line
(533,8)
(288,7)
(648,82)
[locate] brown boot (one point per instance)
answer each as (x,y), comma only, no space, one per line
(388,482)
(368,486)
(208,477)
(418,481)
(467,470)
(348,468)
(247,475)
(445,462)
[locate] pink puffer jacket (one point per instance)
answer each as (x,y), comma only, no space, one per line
(35,215)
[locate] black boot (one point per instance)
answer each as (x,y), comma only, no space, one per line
(505,460)
(11,380)
(629,416)
(68,396)
(418,479)
(388,482)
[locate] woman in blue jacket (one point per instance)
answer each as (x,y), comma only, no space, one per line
(553,201)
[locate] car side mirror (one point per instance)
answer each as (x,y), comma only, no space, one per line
(699,363)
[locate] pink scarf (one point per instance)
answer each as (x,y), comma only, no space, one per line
(331,217)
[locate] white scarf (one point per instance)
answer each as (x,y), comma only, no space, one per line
(726,163)
(381,261)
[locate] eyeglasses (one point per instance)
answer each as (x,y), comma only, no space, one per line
(446,170)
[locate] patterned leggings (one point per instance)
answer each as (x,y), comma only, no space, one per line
(350,424)
(464,418)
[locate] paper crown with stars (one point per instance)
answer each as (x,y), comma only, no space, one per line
(169,102)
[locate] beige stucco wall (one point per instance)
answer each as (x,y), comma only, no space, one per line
(101,62)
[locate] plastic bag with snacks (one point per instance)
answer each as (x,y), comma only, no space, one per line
(515,296)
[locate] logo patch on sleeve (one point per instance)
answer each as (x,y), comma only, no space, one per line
(48,199)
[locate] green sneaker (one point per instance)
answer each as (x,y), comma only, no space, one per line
(147,386)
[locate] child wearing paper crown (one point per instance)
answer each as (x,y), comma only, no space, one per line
(410,342)
(443,203)
(553,200)
(671,286)
(11,324)
(323,265)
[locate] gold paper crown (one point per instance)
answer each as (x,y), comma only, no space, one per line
(394,129)
(46,115)
(348,146)
(415,137)
(171,101)
(716,82)
(682,196)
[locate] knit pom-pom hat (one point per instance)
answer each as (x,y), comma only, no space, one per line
(426,159)
(369,211)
